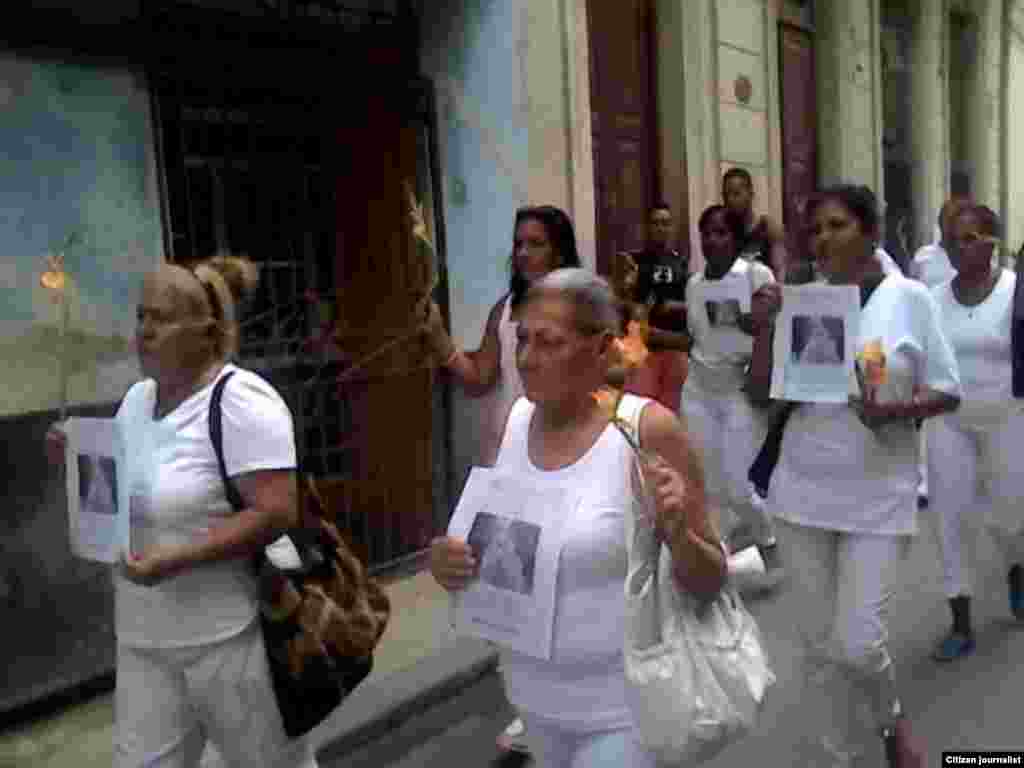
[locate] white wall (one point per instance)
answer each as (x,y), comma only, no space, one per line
(475,51)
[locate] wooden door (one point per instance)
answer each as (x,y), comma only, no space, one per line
(623,118)
(379,274)
(799,133)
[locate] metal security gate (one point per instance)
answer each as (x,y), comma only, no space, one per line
(251,164)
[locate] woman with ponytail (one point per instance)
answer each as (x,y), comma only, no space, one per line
(191,664)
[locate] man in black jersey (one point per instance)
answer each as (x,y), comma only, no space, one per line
(765,238)
(659,283)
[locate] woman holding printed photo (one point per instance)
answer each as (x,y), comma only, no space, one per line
(726,427)
(844,493)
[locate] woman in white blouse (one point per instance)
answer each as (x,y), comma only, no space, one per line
(844,493)
(191,662)
(574,704)
(971,452)
(720,417)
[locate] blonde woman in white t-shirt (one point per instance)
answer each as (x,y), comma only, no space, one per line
(973,468)
(574,705)
(186,601)
(844,493)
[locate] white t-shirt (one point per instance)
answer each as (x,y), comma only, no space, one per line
(932,266)
(834,472)
(720,352)
(177,496)
(980,337)
(583,685)
(889,265)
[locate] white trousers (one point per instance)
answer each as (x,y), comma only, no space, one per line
(169,702)
(728,433)
(975,482)
(837,596)
(555,747)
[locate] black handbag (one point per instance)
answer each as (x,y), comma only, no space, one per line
(328,677)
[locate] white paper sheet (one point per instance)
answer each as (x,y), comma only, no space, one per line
(724,301)
(815,337)
(97,488)
(516,535)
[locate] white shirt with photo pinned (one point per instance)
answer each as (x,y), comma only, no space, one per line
(834,472)
(583,685)
(718,350)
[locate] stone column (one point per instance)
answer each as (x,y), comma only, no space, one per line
(848,59)
(554,61)
(984,103)
(929,94)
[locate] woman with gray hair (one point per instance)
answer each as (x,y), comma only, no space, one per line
(191,663)
(558,436)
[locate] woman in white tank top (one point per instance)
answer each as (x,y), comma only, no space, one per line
(544,240)
(574,704)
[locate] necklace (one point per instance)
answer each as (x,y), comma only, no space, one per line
(972,301)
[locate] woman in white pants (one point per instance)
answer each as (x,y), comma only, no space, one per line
(975,477)
(191,663)
(844,493)
(727,429)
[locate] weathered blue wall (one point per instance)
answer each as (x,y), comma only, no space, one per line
(474,52)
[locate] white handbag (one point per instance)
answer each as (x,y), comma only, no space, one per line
(696,674)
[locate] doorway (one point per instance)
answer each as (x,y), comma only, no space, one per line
(623,119)
(799,139)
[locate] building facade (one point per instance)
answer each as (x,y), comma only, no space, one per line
(294,131)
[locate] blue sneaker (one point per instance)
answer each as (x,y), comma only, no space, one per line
(1015,582)
(955,646)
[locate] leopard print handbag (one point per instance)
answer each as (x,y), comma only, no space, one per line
(321,621)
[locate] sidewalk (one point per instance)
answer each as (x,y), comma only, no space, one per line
(419,662)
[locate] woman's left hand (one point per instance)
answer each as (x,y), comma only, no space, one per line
(151,567)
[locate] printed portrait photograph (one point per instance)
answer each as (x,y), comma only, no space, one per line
(506,550)
(97,484)
(723,314)
(818,340)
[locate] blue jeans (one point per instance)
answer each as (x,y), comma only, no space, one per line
(553,746)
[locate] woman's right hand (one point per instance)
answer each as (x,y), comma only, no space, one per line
(56,444)
(765,305)
(436,334)
(452,563)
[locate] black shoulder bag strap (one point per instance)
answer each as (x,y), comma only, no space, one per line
(1017,331)
(301,539)
(217,437)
